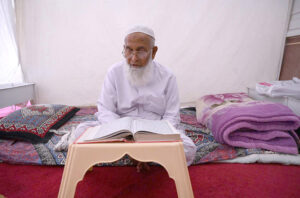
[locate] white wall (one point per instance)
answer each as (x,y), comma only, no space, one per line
(294,25)
(211,46)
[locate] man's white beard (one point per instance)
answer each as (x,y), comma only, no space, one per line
(139,76)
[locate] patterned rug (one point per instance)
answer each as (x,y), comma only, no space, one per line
(208,150)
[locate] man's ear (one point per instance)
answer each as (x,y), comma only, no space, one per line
(154,50)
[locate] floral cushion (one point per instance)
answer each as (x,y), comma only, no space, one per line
(34,122)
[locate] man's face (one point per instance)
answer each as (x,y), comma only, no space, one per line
(137,49)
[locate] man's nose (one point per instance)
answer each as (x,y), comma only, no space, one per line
(134,58)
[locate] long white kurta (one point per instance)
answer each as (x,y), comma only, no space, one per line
(156,100)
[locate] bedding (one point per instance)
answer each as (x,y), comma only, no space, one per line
(33,123)
(208,150)
(266,158)
(236,120)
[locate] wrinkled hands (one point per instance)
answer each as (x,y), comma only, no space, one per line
(67,139)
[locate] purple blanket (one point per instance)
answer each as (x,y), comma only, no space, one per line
(255,124)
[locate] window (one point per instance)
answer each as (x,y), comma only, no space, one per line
(10,68)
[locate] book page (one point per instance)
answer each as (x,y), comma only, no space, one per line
(112,128)
(154,126)
(88,134)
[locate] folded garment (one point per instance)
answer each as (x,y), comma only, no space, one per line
(280,88)
(252,124)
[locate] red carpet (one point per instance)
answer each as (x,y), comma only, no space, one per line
(209,180)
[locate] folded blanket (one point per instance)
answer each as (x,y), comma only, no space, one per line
(236,120)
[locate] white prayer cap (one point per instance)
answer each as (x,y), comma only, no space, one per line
(142,29)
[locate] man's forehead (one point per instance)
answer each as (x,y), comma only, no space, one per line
(138,37)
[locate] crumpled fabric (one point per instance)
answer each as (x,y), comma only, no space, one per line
(289,88)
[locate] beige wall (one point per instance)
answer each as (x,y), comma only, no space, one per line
(218,46)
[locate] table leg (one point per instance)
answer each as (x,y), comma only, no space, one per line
(175,164)
(73,173)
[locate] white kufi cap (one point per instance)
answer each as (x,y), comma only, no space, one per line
(142,29)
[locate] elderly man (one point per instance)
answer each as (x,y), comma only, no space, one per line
(140,87)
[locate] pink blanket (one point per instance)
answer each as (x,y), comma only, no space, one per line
(236,120)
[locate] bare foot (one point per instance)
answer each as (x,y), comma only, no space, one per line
(140,166)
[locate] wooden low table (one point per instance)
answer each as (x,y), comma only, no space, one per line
(83,156)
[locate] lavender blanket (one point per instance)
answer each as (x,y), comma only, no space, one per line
(236,120)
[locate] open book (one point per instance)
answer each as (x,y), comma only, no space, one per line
(130,129)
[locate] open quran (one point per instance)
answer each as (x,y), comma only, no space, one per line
(131,129)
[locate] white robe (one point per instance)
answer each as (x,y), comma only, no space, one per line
(157,100)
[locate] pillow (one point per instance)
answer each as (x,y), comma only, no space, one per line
(33,123)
